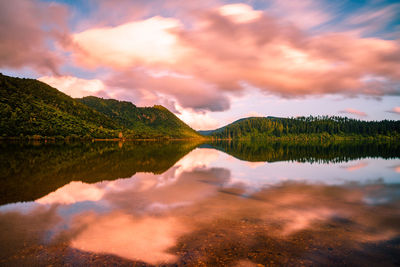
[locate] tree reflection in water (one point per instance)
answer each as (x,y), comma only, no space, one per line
(206,210)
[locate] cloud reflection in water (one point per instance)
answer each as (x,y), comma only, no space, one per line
(202,210)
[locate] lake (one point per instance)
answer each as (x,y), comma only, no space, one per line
(199,204)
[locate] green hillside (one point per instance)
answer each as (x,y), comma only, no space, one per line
(304,128)
(144,121)
(32,108)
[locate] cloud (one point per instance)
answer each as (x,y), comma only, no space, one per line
(26,29)
(195,101)
(254,165)
(283,60)
(355,167)
(304,14)
(175,54)
(396,168)
(137,42)
(216,53)
(128,10)
(146,239)
(395,110)
(73,86)
(148,217)
(372,19)
(187,91)
(239,13)
(196,120)
(72,193)
(354,112)
(196,159)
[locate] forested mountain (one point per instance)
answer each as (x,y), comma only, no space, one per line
(305,128)
(32,108)
(143,120)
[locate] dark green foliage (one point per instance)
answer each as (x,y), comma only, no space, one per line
(30,108)
(29,171)
(152,122)
(307,128)
(314,151)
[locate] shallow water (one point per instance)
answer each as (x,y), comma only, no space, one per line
(220,204)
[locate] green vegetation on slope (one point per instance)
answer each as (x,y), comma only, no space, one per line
(32,108)
(141,122)
(28,172)
(307,128)
(322,152)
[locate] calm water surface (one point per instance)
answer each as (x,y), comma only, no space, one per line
(221,204)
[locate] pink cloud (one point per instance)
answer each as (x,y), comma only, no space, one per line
(354,112)
(304,14)
(397,169)
(25,30)
(356,166)
(202,55)
(128,10)
(72,193)
(187,91)
(74,86)
(218,52)
(198,121)
(240,13)
(113,233)
(134,43)
(283,60)
(395,110)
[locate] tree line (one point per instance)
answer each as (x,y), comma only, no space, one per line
(307,127)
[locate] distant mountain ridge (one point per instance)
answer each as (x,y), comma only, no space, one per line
(221,129)
(305,128)
(32,108)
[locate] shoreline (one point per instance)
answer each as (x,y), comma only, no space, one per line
(211,138)
(54,139)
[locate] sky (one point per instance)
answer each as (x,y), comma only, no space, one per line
(212,62)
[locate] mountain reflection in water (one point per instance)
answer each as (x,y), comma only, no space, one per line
(206,208)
